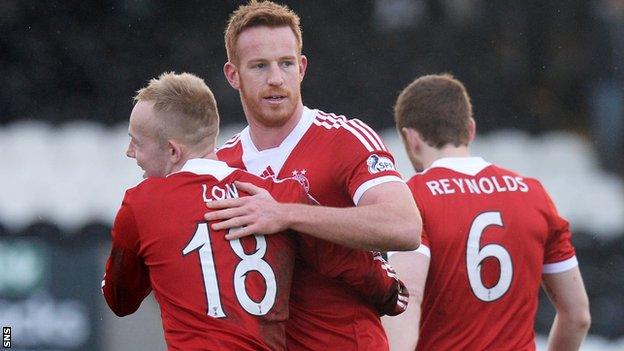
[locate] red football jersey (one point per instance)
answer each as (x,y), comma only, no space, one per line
(490,234)
(216,294)
(336,160)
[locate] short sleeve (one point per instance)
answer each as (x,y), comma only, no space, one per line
(423,249)
(559,254)
(364,160)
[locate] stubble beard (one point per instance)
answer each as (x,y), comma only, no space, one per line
(267,116)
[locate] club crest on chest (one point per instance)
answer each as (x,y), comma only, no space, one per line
(300,176)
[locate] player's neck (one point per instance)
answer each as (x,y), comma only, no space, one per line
(432,154)
(206,154)
(267,137)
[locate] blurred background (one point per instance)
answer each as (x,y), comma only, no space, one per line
(546,79)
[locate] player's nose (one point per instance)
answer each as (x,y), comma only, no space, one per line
(130,151)
(275,75)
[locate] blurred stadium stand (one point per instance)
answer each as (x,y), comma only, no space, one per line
(57,210)
(545,76)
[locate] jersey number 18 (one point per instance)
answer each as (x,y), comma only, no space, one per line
(248,263)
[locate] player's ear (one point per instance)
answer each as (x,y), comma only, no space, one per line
(175,150)
(411,139)
(472,129)
(231,74)
(303,65)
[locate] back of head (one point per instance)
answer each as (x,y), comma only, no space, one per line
(185,108)
(259,13)
(438,107)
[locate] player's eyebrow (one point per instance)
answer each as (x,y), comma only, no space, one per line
(281,58)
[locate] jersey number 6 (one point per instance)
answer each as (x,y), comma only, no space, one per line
(248,263)
(475,255)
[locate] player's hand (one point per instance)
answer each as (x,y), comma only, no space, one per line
(398,297)
(257,213)
(397,304)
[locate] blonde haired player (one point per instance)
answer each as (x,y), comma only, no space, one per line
(214,294)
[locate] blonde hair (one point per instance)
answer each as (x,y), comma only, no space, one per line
(185,108)
(259,13)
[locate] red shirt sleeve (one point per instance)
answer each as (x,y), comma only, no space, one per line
(559,245)
(364,159)
(367,273)
(126,280)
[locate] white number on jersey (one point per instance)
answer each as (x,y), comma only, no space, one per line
(476,254)
(248,263)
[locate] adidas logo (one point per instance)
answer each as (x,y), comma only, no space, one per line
(268,173)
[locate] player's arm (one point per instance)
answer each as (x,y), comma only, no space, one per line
(365,272)
(385,218)
(563,284)
(126,281)
(567,293)
(402,330)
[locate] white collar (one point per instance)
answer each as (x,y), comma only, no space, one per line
(466,165)
(205,166)
(307,117)
(257,161)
